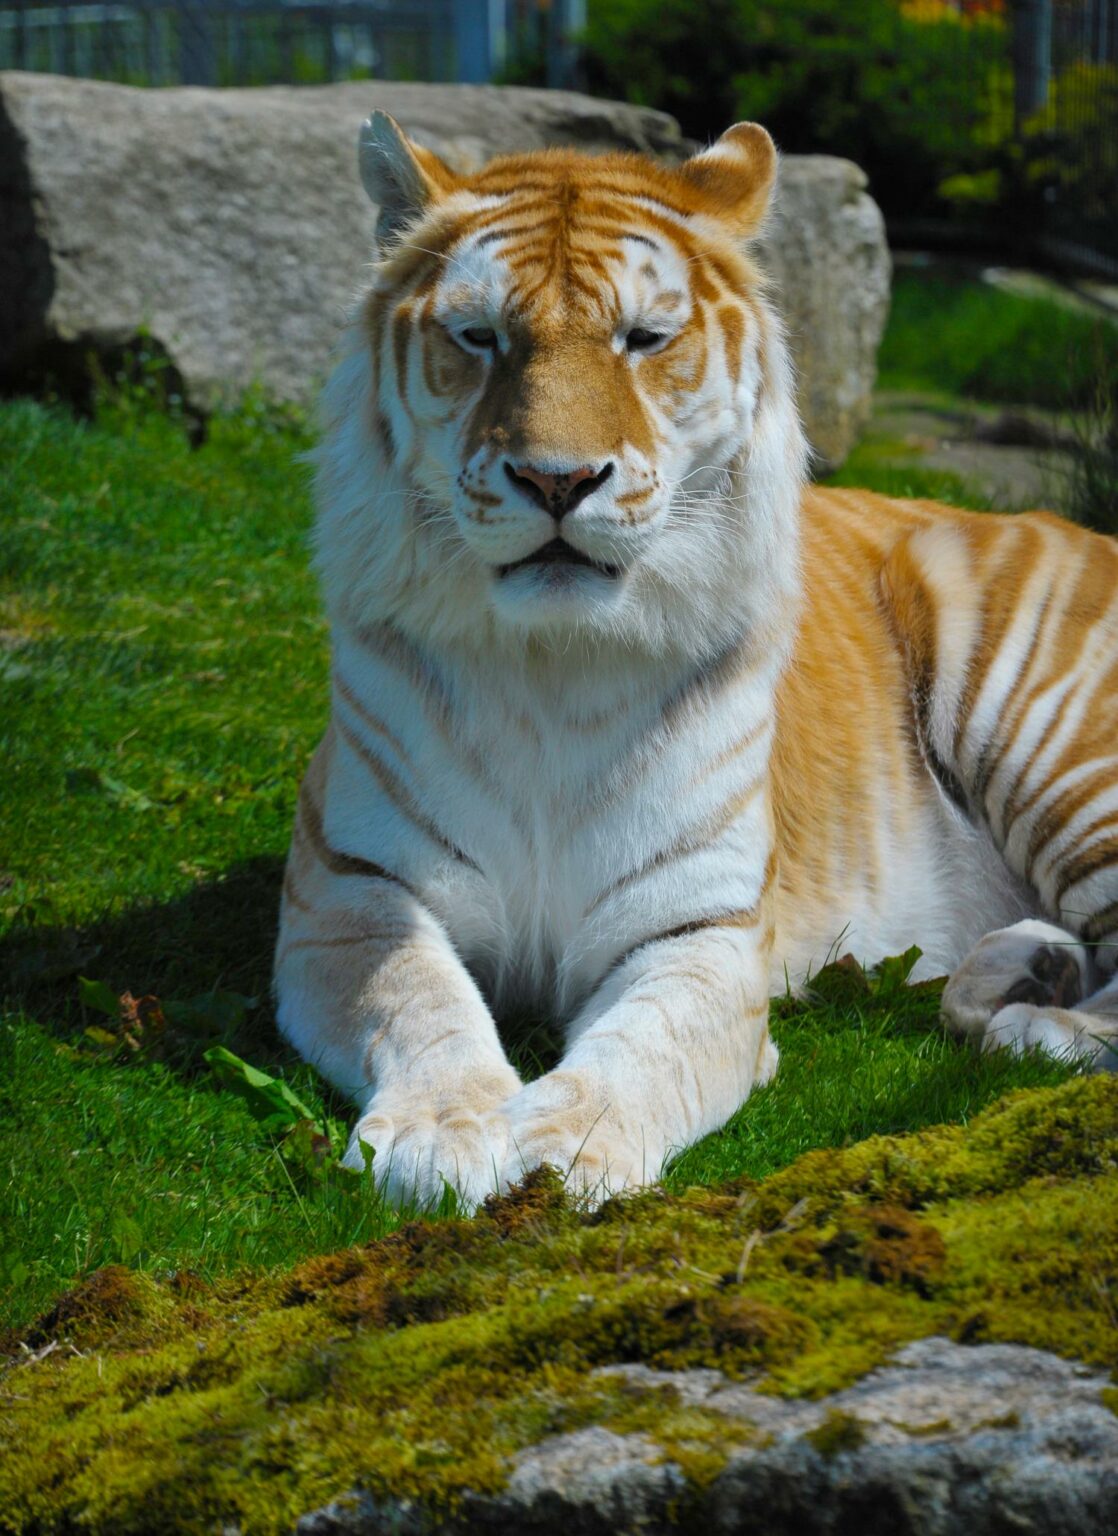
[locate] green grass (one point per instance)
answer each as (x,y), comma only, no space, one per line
(955,335)
(164,669)
(855,1064)
(163,664)
(110,1162)
(893,468)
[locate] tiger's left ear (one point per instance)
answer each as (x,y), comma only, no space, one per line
(401,177)
(735,176)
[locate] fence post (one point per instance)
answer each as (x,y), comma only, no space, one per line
(197,65)
(566,23)
(1032,57)
(21,34)
(479,37)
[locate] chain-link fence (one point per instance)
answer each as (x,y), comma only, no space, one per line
(230,42)
(257,42)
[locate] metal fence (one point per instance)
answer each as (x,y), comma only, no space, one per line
(258,42)
(1014,107)
(1067,124)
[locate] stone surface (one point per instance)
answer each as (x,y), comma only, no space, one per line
(230,227)
(950,1440)
(1019,460)
(228,224)
(824,247)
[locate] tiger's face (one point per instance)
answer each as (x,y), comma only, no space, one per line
(569,354)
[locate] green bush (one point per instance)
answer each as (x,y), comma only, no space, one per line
(913,102)
(1065,173)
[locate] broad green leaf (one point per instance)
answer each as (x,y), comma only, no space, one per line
(843,981)
(892,972)
(308,1148)
(269,1099)
(93,781)
(104,1038)
(127,1236)
(99,996)
(338,1132)
(13,1271)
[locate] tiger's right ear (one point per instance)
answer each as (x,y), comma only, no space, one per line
(402,178)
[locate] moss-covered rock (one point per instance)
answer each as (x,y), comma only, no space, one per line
(420,1365)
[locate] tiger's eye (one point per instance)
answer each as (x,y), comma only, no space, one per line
(480,336)
(640,340)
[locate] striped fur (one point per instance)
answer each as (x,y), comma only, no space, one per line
(638,787)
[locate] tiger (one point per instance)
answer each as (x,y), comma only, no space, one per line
(630,723)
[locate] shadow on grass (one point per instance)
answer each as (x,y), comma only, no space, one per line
(218,937)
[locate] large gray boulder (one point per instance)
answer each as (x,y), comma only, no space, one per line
(824,247)
(229,227)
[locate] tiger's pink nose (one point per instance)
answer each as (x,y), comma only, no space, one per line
(558,493)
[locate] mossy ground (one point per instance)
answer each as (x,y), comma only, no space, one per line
(417,1365)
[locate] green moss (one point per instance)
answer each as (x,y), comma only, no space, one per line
(1011,1420)
(838,1432)
(420,1364)
(936,1427)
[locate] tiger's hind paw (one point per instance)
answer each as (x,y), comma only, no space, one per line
(1065,1033)
(1032,964)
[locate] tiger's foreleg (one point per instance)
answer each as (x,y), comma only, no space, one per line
(665,1051)
(371,990)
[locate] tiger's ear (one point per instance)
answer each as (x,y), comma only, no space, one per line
(735,176)
(402,178)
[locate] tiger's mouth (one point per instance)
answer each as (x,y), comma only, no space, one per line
(559,555)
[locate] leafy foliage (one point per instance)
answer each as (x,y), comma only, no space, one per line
(910,100)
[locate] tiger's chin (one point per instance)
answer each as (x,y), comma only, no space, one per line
(550,593)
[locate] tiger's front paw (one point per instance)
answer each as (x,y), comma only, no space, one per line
(571,1124)
(420,1146)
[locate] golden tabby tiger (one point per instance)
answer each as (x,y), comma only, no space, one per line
(629,725)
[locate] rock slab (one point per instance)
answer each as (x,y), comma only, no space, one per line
(230,228)
(949,1440)
(824,247)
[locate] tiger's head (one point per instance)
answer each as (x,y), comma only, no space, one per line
(566,405)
